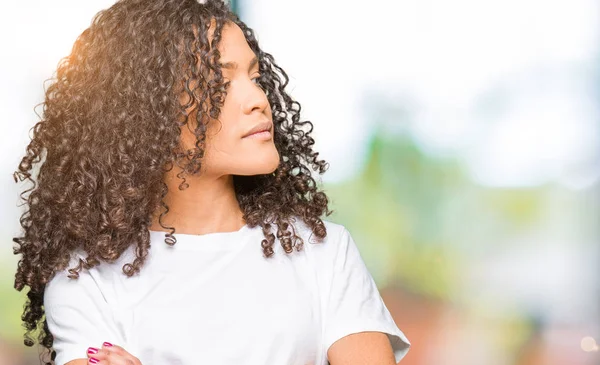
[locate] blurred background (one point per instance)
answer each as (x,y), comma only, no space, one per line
(463,138)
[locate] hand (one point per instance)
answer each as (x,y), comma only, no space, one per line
(111,354)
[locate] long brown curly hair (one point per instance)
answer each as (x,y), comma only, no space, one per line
(110,130)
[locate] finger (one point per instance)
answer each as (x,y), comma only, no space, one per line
(115,349)
(92,351)
(98,356)
(93,355)
(119,354)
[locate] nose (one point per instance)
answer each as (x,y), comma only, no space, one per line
(256,100)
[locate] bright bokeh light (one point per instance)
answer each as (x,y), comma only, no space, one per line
(588,344)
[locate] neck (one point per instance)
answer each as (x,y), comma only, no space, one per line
(207,205)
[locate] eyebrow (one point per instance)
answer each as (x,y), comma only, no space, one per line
(234,65)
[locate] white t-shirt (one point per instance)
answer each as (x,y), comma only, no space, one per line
(215,299)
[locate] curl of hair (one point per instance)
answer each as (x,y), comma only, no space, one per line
(110,129)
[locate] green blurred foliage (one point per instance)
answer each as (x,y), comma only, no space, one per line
(11,303)
(417,219)
(394,210)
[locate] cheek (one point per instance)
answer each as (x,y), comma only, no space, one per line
(222,141)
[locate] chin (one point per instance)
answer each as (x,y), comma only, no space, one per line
(263,165)
(271,164)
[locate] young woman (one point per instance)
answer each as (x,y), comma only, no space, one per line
(174,218)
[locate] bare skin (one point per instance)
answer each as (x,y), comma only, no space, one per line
(209,203)
(364,348)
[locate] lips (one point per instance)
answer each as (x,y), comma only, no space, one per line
(261,127)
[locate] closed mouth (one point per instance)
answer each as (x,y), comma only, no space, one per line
(259,128)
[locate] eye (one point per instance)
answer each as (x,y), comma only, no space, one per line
(256,79)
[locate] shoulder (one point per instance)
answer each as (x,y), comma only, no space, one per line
(63,283)
(75,282)
(335,231)
(336,239)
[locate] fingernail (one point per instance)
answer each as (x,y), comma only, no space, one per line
(93,360)
(92,350)
(107,344)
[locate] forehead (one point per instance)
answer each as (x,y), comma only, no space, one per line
(233,45)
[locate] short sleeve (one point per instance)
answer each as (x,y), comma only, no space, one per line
(78,316)
(355,304)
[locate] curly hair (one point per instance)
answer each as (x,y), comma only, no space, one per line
(110,130)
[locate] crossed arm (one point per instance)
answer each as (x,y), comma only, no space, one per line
(364,348)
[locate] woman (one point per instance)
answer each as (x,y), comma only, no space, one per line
(174,219)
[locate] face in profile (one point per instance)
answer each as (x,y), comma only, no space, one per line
(240,141)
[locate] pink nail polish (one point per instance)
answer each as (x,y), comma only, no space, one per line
(92,350)
(107,344)
(93,360)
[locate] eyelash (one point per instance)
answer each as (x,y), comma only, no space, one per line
(255,80)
